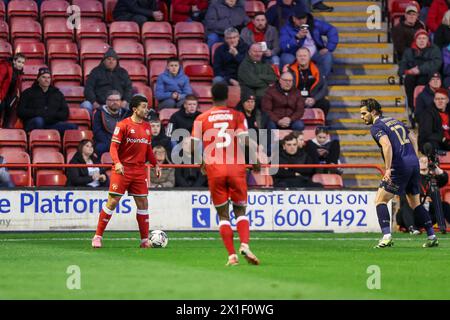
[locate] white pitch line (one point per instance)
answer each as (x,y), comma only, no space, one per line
(213,239)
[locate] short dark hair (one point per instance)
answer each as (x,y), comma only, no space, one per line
(322,130)
(19,55)
(259,13)
(136,101)
(219,91)
(372,104)
(291,136)
(173,59)
(190,97)
(113,92)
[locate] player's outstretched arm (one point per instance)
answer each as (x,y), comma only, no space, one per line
(413,139)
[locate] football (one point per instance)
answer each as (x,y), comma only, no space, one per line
(159,239)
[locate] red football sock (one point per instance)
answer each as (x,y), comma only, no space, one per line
(143,222)
(103,219)
(243,228)
(227,236)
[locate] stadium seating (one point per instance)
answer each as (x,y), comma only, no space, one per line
(203,92)
(156,67)
(313,116)
(165,114)
(199,73)
(89,30)
(141,88)
(25,28)
(92,49)
(109,8)
(56,28)
(106,159)
(66,73)
(252,7)
(50,158)
(45,138)
(73,94)
(30,71)
(62,51)
(90,8)
(124,29)
(160,30)
(234,96)
(328,180)
(88,65)
(129,49)
(4,30)
(193,50)
(260,180)
(445,159)
(69,154)
(50,180)
(417,90)
(22,8)
(13,138)
(54,8)
(189,30)
(73,137)
(19,176)
(5,49)
(2,10)
(159,50)
(136,70)
(213,50)
(81,117)
(399,6)
(34,51)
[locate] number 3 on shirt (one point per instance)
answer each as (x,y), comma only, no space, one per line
(222,126)
(401,134)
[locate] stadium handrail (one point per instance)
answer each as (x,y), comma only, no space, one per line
(31,166)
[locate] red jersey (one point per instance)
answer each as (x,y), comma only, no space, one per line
(135,144)
(445,124)
(219,128)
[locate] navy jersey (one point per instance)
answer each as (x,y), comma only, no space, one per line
(403,153)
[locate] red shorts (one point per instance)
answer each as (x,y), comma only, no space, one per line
(224,188)
(133,180)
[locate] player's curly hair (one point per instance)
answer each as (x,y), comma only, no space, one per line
(372,104)
(136,101)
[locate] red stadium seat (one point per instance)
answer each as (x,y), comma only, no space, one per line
(81,117)
(279,134)
(22,8)
(203,92)
(157,30)
(156,67)
(69,154)
(34,51)
(136,70)
(54,8)
(73,94)
(88,66)
(25,28)
(213,50)
(90,8)
(50,180)
(445,159)
(16,138)
(165,114)
(309,133)
(252,7)
(48,138)
(66,72)
(19,178)
(96,30)
(5,49)
(93,49)
(109,8)
(19,175)
(328,180)
(234,96)
(260,179)
(192,50)
(199,73)
(313,116)
(141,88)
(30,71)
(399,6)
(159,50)
(2,10)
(25,85)
(4,30)
(72,138)
(417,90)
(124,29)
(189,30)
(48,157)
(129,49)
(62,50)
(106,158)
(56,28)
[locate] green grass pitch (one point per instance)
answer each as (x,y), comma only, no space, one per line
(293,266)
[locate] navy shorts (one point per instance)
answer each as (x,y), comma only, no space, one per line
(405,180)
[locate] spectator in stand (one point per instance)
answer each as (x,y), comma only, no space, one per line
(172,86)
(258,31)
(189,177)
(403,33)
(189,10)
(10,86)
(254,75)
(307,78)
(5,178)
(159,138)
(319,6)
(139,11)
(105,120)
(107,76)
(442,34)
(228,57)
(323,150)
(278,14)
(434,123)
(437,10)
(167,177)
(426,98)
(292,154)
(184,118)
(222,15)
(256,118)
(418,63)
(284,104)
(43,106)
(86,177)
(303,30)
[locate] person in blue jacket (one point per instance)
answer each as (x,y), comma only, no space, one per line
(172,86)
(303,30)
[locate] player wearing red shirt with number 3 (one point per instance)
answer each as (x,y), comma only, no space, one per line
(220,129)
(131,148)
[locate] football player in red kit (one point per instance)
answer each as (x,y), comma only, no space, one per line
(130,149)
(220,129)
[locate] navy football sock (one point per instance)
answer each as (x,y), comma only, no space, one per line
(383,218)
(423,217)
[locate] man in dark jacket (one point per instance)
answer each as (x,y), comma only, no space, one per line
(189,177)
(254,75)
(426,97)
(107,76)
(292,178)
(308,79)
(303,30)
(278,14)
(184,118)
(228,57)
(105,120)
(434,123)
(139,11)
(403,33)
(284,104)
(10,86)
(418,63)
(43,106)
